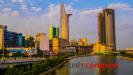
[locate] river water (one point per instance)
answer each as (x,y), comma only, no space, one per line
(125,67)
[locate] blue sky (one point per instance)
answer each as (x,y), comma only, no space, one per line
(32,16)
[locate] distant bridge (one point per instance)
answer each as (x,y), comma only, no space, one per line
(19,61)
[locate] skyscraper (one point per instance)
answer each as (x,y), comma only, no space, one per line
(53,32)
(101,29)
(106,28)
(64,23)
(2,29)
(42,41)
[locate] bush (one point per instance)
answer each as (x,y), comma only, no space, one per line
(39,67)
(14,71)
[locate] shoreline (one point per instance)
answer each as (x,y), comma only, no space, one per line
(126,58)
(67,59)
(55,67)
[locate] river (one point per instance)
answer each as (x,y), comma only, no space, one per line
(125,67)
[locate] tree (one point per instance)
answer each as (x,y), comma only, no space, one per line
(31,42)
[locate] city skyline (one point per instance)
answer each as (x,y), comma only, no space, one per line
(86,15)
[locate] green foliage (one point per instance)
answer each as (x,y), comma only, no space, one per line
(18,54)
(124,53)
(14,71)
(39,67)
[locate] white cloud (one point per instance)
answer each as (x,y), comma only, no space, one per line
(19,1)
(36,9)
(14,1)
(6,10)
(9,12)
(53,11)
(22,4)
(91,11)
(76,0)
(15,13)
(118,5)
(122,6)
(23,7)
(1,1)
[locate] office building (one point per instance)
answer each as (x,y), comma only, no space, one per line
(64,23)
(55,44)
(10,39)
(13,39)
(42,41)
(106,29)
(2,29)
(29,41)
(53,32)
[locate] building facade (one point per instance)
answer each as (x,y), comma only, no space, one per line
(53,32)
(106,29)
(2,29)
(13,39)
(9,38)
(64,23)
(55,44)
(29,41)
(42,41)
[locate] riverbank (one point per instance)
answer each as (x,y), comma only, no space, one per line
(50,70)
(126,58)
(40,67)
(66,60)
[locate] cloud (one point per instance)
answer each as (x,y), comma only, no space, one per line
(92,11)
(19,1)
(122,6)
(23,7)
(15,13)
(36,9)
(9,12)
(53,11)
(76,0)
(14,1)
(22,4)
(118,5)
(6,10)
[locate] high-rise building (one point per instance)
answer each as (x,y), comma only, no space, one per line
(29,41)
(42,41)
(106,29)
(19,40)
(53,32)
(64,23)
(2,29)
(9,38)
(101,29)
(13,39)
(55,44)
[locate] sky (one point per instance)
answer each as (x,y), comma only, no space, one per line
(32,16)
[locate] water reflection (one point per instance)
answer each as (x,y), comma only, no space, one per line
(65,69)
(106,71)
